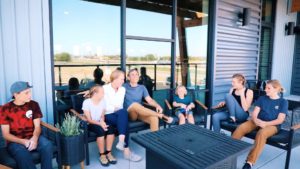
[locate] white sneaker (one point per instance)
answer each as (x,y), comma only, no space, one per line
(133,157)
(120,145)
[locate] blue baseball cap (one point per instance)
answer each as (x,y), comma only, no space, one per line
(19,86)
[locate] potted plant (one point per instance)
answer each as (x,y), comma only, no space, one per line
(71,140)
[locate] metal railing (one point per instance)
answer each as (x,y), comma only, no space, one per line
(190,66)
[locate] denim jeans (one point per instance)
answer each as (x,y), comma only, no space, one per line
(24,159)
(234,109)
(119,119)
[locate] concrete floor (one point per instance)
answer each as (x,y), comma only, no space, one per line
(271,158)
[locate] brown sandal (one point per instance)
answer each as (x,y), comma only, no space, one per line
(103,160)
(111,158)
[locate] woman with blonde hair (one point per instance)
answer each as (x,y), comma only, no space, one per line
(237,102)
(269,113)
(94,108)
(115,114)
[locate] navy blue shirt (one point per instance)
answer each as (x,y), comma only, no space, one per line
(134,94)
(186,100)
(270,108)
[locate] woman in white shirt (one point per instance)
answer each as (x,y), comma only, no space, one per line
(115,115)
(94,110)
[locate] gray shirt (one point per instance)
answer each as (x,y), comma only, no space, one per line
(134,94)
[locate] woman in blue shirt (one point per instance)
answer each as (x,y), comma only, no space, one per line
(269,113)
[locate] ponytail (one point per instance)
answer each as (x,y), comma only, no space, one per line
(93,90)
(276,84)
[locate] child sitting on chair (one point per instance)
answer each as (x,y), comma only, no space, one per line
(94,108)
(183,105)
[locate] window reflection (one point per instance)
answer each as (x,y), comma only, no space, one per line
(88,33)
(84,33)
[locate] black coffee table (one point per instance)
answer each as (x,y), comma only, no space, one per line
(190,147)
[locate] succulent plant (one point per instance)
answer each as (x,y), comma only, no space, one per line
(70,126)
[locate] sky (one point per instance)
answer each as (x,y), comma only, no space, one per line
(87,28)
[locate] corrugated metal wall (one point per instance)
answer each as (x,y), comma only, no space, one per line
(25,50)
(236,47)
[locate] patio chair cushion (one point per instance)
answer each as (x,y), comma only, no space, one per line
(135,126)
(281,137)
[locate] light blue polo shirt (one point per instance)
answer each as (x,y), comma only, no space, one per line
(134,94)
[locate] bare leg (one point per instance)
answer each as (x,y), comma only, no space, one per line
(100,144)
(109,141)
(181,119)
(191,119)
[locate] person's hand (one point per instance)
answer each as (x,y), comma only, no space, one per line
(261,123)
(188,108)
(256,121)
(159,109)
(221,104)
(26,143)
(241,92)
(103,125)
(183,106)
(33,144)
(85,93)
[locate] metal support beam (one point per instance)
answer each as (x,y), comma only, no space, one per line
(148,38)
(184,60)
(123,35)
(173,44)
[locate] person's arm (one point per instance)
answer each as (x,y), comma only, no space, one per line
(246,101)
(36,134)
(190,106)
(12,138)
(91,121)
(153,103)
(175,104)
(84,93)
(279,120)
(263,124)
(255,114)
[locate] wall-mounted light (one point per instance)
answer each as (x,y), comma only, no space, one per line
(244,17)
(291,29)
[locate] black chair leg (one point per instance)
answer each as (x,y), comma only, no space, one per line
(287,160)
(87,162)
(87,155)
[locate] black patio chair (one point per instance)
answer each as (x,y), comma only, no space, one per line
(258,87)
(200,111)
(50,132)
(287,138)
(77,100)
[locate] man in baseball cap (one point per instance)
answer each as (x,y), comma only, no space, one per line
(19,86)
(20,122)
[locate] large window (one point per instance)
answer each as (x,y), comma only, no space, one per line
(266,39)
(87,35)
